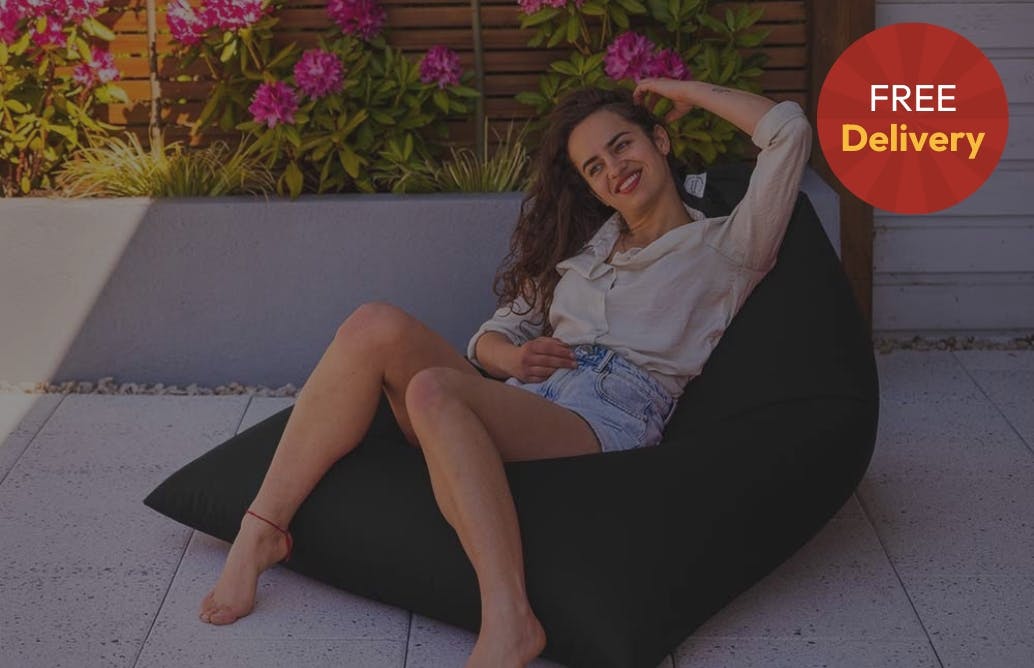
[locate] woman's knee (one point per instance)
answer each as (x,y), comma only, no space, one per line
(429,388)
(379,323)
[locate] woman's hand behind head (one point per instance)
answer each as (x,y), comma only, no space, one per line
(679,92)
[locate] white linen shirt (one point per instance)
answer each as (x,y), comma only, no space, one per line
(664,307)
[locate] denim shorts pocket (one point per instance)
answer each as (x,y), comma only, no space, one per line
(623,393)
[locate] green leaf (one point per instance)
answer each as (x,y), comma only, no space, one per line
(441,100)
(712,23)
(282,55)
(564,67)
(750,39)
(593,8)
(555,38)
(294,178)
(349,160)
(353,122)
(750,17)
(117,94)
(228,51)
(572,28)
(465,91)
(94,27)
(539,17)
(620,17)
(292,135)
(730,20)
(533,99)
(633,6)
(16,106)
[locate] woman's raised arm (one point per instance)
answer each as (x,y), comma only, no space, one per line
(741,108)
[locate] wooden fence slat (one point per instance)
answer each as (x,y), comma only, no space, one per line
(446,15)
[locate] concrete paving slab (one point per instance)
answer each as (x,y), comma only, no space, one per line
(21,416)
(276,653)
(996,360)
(985,621)
(85,563)
(909,375)
(804,653)
(947,436)
(1013,393)
(289,607)
(838,585)
(435,644)
(955,525)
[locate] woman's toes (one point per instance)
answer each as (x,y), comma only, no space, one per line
(222,616)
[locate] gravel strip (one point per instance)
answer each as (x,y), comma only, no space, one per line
(108,385)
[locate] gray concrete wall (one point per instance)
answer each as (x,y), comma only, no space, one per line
(969,269)
(237,289)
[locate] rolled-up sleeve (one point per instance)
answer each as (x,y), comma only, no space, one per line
(755,228)
(518,328)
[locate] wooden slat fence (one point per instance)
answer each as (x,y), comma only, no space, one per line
(510,65)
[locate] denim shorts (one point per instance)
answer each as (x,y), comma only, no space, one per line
(625,406)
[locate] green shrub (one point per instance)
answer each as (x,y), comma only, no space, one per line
(111,167)
(52,74)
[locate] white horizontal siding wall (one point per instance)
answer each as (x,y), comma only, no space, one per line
(969,269)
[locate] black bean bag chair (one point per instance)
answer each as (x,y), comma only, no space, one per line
(628,552)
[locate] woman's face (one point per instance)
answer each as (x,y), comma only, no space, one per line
(624,167)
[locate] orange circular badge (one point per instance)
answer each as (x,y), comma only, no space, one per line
(912,118)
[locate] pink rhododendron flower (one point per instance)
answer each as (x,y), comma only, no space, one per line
(318,73)
(363,18)
(440,65)
(532,6)
(186,26)
(627,55)
(100,68)
(52,35)
(75,11)
(274,103)
(11,12)
(231,14)
(667,63)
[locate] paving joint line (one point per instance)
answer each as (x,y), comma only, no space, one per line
(32,440)
(172,579)
(901,583)
(1029,446)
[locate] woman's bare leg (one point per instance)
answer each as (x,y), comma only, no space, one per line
(379,347)
(467,427)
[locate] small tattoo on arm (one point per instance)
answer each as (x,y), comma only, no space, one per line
(719,89)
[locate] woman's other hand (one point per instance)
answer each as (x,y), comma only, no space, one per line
(539,358)
(679,92)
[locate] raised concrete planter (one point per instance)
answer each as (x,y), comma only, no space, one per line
(241,289)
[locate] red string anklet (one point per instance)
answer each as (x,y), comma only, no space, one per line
(287,534)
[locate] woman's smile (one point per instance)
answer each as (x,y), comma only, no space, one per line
(630,183)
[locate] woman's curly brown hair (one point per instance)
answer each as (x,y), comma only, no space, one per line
(559,213)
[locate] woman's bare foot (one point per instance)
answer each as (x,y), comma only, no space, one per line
(257,547)
(508,645)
